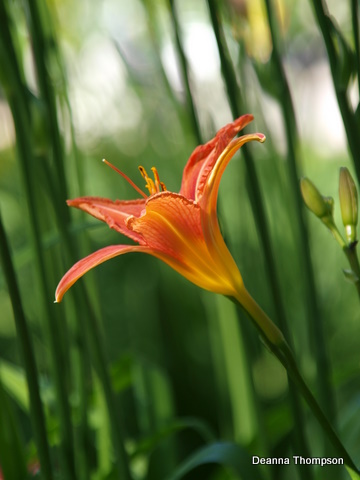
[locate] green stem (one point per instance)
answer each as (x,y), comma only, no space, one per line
(28,357)
(351,255)
(227,69)
(267,327)
(156,40)
(81,373)
(279,347)
(17,97)
(348,249)
(355,26)
(287,359)
(349,119)
(315,324)
(42,59)
(185,72)
(330,224)
(117,427)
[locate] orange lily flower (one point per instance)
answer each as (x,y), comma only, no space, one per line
(179,228)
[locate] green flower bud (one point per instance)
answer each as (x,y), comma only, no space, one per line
(321,206)
(348,203)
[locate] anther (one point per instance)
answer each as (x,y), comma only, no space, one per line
(149,183)
(156,178)
(154,186)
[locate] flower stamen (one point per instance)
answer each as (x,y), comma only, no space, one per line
(160,186)
(154,186)
(149,183)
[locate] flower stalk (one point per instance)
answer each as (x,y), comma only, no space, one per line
(277,344)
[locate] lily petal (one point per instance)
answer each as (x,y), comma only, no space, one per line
(191,272)
(204,157)
(211,188)
(89,262)
(208,201)
(115,214)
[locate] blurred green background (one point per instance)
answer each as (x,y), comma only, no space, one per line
(140,83)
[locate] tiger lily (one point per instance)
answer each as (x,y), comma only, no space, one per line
(180,229)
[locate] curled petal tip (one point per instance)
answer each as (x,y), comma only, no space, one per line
(261,137)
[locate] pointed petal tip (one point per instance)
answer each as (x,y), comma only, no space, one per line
(58,296)
(248,116)
(70,202)
(241,122)
(75,202)
(91,261)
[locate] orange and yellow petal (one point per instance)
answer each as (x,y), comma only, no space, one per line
(209,193)
(195,274)
(172,226)
(208,201)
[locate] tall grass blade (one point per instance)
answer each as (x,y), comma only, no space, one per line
(28,357)
(18,100)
